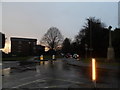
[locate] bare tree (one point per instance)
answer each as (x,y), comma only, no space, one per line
(52,39)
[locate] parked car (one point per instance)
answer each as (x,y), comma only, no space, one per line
(37,58)
(68,55)
(76,56)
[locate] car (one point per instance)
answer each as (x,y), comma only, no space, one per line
(37,58)
(76,56)
(68,55)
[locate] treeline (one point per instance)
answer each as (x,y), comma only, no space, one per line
(93,37)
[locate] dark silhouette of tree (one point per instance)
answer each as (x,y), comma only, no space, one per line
(95,36)
(66,46)
(53,38)
(116,41)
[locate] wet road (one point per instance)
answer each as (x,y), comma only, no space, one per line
(56,74)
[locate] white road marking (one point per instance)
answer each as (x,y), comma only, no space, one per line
(69,81)
(63,85)
(30,77)
(25,78)
(39,80)
(54,86)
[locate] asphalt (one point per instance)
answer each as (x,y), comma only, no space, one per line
(70,61)
(61,73)
(49,74)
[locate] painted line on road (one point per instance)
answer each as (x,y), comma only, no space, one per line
(41,80)
(69,81)
(54,86)
(62,85)
(30,77)
(38,80)
(25,78)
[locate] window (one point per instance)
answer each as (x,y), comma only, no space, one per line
(19,42)
(34,43)
(29,42)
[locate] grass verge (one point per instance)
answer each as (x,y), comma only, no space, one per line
(16,58)
(101,61)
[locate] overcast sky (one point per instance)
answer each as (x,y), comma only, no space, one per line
(33,19)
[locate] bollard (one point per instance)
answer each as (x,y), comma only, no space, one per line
(53,57)
(41,57)
(94,71)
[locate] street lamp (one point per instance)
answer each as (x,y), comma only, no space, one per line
(91,49)
(110,53)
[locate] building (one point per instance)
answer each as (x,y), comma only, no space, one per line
(2,40)
(23,46)
(39,50)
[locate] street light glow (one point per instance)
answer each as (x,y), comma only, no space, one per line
(93,69)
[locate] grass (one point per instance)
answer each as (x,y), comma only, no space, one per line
(16,58)
(109,63)
(101,61)
(26,58)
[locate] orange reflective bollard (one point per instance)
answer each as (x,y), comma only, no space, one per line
(94,71)
(41,57)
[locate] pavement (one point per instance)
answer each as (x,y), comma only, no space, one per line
(72,61)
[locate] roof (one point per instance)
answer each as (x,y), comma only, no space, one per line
(22,39)
(40,46)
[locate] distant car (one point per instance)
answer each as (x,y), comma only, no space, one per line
(37,58)
(76,56)
(62,54)
(68,55)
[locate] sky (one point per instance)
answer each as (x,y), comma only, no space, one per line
(33,19)
(119,14)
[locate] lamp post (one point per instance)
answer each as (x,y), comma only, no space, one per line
(91,49)
(110,52)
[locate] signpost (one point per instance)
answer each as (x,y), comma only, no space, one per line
(94,71)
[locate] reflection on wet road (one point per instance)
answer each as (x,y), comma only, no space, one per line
(54,74)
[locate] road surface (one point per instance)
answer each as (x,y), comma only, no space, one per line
(56,74)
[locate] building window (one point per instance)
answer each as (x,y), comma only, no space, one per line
(19,42)
(34,48)
(34,43)
(19,51)
(29,42)
(19,46)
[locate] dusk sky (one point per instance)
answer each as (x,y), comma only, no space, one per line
(33,19)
